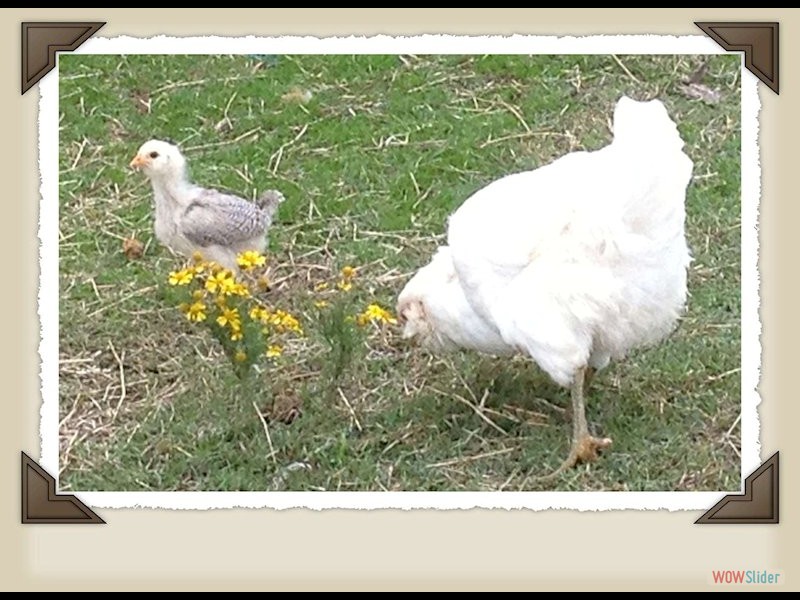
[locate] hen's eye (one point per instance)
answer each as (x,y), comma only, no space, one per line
(154,155)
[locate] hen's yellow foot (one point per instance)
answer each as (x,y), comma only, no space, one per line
(585,449)
(588,448)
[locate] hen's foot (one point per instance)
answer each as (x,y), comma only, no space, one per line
(589,447)
(585,449)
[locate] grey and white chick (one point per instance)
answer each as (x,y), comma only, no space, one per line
(190,218)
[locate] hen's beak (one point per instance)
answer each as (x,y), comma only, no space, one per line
(400,312)
(402,320)
(138,162)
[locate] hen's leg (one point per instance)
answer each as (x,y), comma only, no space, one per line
(584,446)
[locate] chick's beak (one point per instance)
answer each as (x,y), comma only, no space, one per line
(138,162)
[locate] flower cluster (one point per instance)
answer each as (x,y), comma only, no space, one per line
(278,320)
(346,277)
(342,324)
(227,304)
(250,260)
(233,306)
(374,313)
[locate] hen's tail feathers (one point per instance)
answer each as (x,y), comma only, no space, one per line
(650,144)
(645,127)
(269,201)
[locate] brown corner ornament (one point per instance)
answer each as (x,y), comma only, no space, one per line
(41,41)
(41,504)
(758,41)
(758,504)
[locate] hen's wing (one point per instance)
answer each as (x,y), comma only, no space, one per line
(580,260)
(554,213)
(215,218)
(528,248)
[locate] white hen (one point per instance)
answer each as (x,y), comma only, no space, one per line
(191,219)
(573,264)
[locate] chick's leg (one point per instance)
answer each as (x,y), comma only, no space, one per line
(585,447)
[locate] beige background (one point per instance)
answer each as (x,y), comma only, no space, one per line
(239,549)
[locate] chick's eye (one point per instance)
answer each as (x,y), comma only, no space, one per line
(154,155)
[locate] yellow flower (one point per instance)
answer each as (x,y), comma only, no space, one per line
(374,313)
(347,273)
(240,356)
(236,333)
(230,317)
(230,288)
(259,313)
(182,277)
(283,321)
(196,312)
(221,282)
(321,303)
(274,350)
(240,289)
(250,259)
(323,285)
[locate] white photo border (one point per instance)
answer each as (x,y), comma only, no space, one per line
(425,44)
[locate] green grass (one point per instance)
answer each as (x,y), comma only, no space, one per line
(371,166)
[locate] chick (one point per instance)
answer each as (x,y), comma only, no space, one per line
(191,219)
